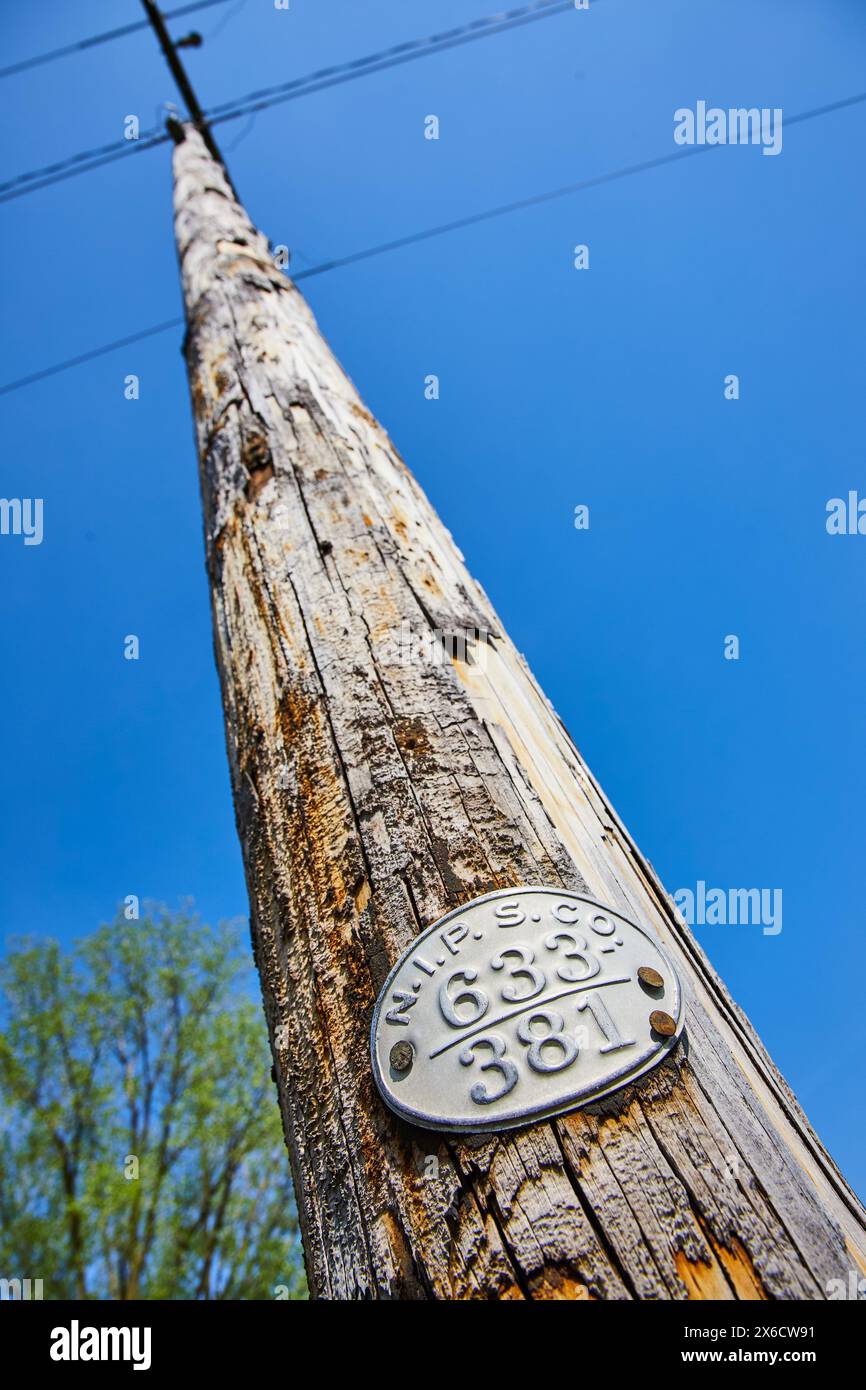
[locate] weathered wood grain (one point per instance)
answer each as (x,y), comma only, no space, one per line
(374,793)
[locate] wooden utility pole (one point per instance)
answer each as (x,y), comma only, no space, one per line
(386,771)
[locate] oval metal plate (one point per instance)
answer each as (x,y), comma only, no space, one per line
(521,1005)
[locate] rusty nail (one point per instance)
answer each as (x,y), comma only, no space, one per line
(662,1023)
(401,1056)
(648,976)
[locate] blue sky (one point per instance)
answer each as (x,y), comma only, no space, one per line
(558,387)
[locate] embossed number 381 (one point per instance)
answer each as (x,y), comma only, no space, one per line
(554,1039)
(497,1063)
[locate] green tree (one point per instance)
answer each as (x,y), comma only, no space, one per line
(141,1152)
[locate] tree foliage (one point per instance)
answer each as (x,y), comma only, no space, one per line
(141,1153)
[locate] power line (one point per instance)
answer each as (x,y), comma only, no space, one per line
(395,55)
(102,38)
(472,219)
(67,169)
(317,81)
(89,356)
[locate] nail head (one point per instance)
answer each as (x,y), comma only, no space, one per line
(648,976)
(401,1056)
(662,1023)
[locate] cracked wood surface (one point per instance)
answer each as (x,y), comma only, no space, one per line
(373,794)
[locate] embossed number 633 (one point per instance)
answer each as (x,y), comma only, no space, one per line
(527,980)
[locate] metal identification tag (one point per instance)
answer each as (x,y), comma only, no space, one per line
(521,1005)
